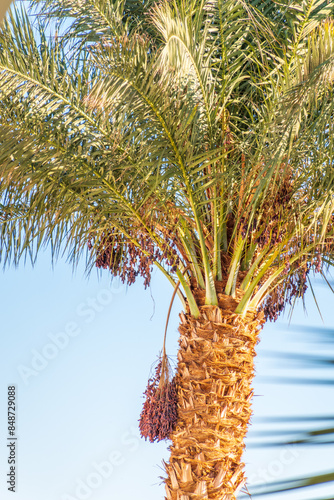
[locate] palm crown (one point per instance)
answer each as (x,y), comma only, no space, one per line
(191,135)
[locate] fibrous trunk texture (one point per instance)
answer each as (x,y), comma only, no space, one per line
(214,374)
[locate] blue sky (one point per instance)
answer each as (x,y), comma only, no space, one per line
(80,352)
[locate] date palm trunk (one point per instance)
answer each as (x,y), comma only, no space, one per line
(215,371)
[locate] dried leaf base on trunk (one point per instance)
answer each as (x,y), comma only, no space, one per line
(215,370)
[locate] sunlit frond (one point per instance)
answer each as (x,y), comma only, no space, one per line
(200,129)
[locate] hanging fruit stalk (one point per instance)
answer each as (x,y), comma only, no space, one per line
(159,415)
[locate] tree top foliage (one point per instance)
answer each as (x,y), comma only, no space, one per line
(192,135)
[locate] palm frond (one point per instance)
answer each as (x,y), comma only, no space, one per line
(216,115)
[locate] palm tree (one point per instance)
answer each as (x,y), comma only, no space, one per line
(191,135)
